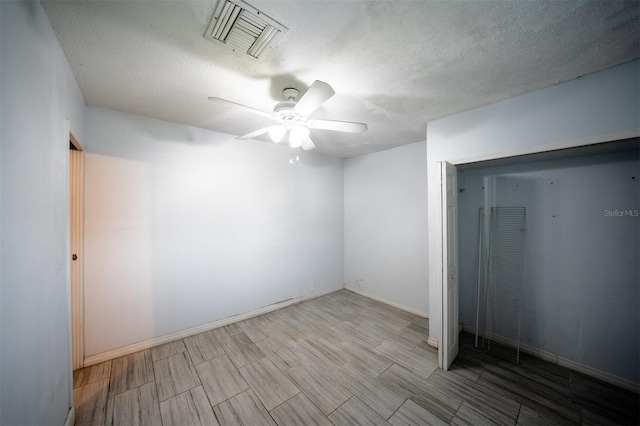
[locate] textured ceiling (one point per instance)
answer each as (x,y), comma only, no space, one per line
(394,65)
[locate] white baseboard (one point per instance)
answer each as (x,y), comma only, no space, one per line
(533,351)
(146,344)
(600,375)
(71,417)
(432,342)
(419,312)
(564,362)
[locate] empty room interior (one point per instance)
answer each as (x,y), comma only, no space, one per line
(319,212)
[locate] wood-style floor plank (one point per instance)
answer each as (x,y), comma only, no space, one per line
(607,400)
(411,413)
(357,413)
(269,383)
(188,408)
(532,417)
(174,375)
(423,367)
(466,368)
(546,400)
(326,394)
(203,347)
(496,407)
(220,379)
(468,415)
(305,355)
(167,349)
(94,373)
(226,331)
(343,358)
(137,406)
(384,400)
(331,352)
(131,371)
(241,350)
(90,402)
(353,331)
(299,411)
(406,383)
(590,418)
(279,351)
(244,409)
(374,363)
(252,328)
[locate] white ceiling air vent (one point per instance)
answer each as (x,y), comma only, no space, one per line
(243,27)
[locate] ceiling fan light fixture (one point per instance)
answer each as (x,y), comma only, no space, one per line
(297,134)
(277,133)
(294,143)
(293,116)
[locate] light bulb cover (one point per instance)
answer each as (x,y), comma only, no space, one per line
(297,134)
(277,133)
(293,142)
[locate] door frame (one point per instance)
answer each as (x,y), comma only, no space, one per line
(75,235)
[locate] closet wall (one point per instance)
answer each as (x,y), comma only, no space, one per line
(580,296)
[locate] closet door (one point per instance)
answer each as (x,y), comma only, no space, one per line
(449,192)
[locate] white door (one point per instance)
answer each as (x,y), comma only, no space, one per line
(449,332)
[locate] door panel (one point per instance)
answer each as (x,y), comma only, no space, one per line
(449,192)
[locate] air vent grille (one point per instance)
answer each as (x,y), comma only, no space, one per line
(243,27)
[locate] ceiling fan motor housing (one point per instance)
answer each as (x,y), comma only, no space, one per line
(284,113)
(290,93)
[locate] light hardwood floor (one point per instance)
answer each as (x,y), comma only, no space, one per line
(339,359)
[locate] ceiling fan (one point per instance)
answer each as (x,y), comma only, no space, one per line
(293,116)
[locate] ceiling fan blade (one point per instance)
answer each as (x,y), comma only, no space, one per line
(307,144)
(256,133)
(338,126)
(247,108)
(318,93)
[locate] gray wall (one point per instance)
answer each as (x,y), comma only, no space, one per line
(185,226)
(599,107)
(38,93)
(581,287)
(385,225)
